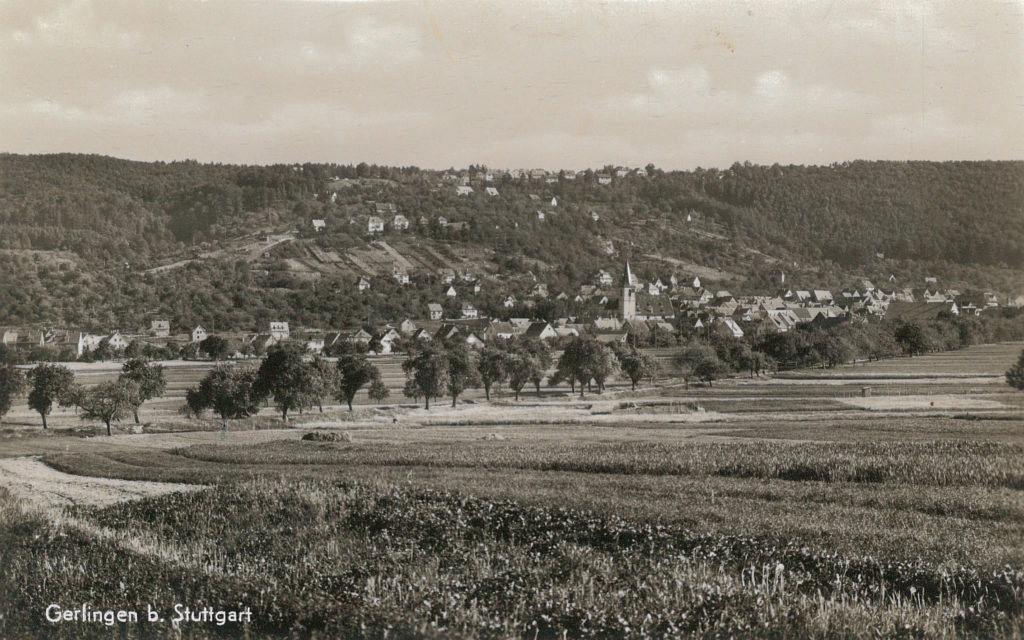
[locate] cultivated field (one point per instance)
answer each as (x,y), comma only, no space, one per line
(798,505)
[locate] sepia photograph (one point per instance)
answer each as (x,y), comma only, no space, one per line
(511,319)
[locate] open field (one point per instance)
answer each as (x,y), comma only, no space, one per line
(788,506)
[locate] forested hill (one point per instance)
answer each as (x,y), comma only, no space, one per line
(69,222)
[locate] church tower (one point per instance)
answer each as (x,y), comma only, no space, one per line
(627,307)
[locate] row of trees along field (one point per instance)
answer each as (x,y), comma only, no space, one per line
(432,371)
(50,385)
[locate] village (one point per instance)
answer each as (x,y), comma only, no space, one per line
(624,310)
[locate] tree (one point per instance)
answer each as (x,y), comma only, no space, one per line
(325,381)
(572,365)
(521,365)
(1015,375)
(601,364)
(379,391)
(108,401)
(462,371)
(228,391)
(50,383)
(542,360)
(12,384)
(493,367)
(699,360)
(912,338)
(354,373)
(426,374)
(637,366)
(215,346)
(287,377)
(149,377)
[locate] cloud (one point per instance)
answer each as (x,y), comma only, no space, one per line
(514,84)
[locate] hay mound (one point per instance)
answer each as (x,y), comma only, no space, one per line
(328,436)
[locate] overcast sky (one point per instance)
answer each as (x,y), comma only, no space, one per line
(568,84)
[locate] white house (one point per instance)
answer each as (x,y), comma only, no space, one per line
(363,284)
(554,202)
(319,225)
(400,222)
(603,178)
(435,311)
(117,341)
(400,276)
(594,216)
(469,311)
(198,334)
(509,302)
(540,215)
(279,330)
(374,225)
(491,191)
(463,190)
(451,293)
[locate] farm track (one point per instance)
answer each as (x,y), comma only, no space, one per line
(39,485)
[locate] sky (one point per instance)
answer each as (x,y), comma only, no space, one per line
(515,84)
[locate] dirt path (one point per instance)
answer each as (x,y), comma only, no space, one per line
(35,483)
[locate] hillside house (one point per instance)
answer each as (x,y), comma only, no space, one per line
(540,215)
(451,292)
(463,190)
(621,173)
(117,341)
(442,222)
(594,216)
(435,311)
(540,290)
(199,334)
(491,191)
(604,178)
(315,343)
(540,331)
(363,284)
(375,225)
(319,225)
(400,275)
(88,342)
(407,328)
(509,302)
(469,311)
(605,279)
(447,276)
(387,341)
(279,330)
(400,222)
(554,202)
(160,328)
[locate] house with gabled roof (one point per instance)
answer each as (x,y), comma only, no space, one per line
(198,334)
(435,311)
(540,331)
(463,190)
(400,222)
(469,311)
(374,225)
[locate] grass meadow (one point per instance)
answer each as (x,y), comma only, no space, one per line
(791,514)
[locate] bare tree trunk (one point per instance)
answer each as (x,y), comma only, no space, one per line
(427,405)
(136,414)
(108,428)
(44,420)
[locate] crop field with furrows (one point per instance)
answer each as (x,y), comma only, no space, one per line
(324,558)
(795,505)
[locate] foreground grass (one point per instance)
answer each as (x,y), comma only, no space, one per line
(329,559)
